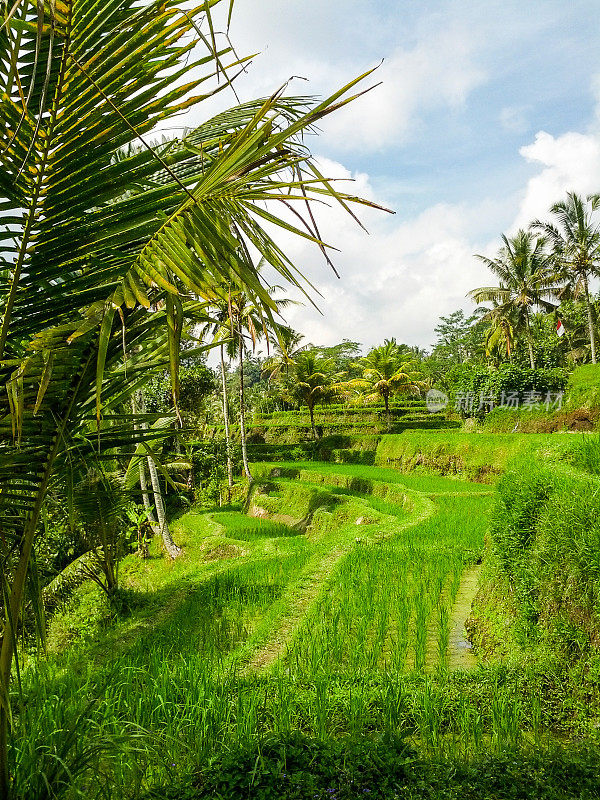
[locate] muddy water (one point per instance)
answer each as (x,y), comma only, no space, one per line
(460,652)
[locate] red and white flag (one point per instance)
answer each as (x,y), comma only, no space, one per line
(560,328)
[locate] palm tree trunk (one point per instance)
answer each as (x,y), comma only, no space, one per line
(107,562)
(143,484)
(311,411)
(145,495)
(531,356)
(172,549)
(247,472)
(530,343)
(227,438)
(590,318)
(386,401)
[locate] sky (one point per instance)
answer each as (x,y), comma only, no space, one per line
(487,112)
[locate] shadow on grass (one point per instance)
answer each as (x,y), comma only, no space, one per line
(208,615)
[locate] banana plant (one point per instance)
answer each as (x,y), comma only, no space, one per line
(103,244)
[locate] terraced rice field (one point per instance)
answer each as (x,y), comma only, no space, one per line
(372,583)
(332,608)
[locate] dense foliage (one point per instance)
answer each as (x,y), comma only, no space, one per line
(545,540)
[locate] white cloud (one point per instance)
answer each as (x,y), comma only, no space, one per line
(570,162)
(435,66)
(397,281)
(438,72)
(409,271)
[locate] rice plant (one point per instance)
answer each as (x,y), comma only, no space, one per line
(359,662)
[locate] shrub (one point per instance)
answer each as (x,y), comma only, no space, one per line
(300,766)
(497,385)
(545,543)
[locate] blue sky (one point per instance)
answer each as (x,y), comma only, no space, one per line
(487,113)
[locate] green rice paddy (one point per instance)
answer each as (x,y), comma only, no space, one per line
(338,612)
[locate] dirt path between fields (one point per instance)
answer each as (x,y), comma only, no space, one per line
(300,596)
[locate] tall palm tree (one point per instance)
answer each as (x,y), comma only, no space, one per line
(387,370)
(239,320)
(314,381)
(87,264)
(245,318)
(285,349)
(500,338)
(249,324)
(525,282)
(575,243)
(220,332)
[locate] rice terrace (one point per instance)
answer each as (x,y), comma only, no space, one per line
(260,538)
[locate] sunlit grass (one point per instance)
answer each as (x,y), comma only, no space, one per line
(168,685)
(419,481)
(387,606)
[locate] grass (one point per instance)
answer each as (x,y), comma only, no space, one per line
(305,655)
(480,455)
(585,454)
(242,528)
(583,389)
(422,481)
(386,607)
(543,565)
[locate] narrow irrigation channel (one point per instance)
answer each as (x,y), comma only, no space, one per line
(460,650)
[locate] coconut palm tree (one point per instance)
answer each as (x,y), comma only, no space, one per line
(500,338)
(387,370)
(525,283)
(101,247)
(240,321)
(220,332)
(314,380)
(285,349)
(245,320)
(575,244)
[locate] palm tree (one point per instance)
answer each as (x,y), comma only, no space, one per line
(313,382)
(220,332)
(500,338)
(387,370)
(285,350)
(245,317)
(239,319)
(523,268)
(145,456)
(575,243)
(102,246)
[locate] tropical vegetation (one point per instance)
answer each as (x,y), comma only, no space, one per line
(111,242)
(235,562)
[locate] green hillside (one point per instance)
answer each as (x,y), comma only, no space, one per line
(327,617)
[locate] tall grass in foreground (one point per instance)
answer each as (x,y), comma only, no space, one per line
(152,719)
